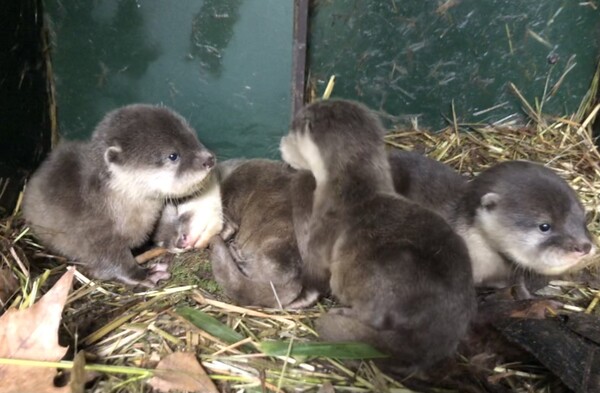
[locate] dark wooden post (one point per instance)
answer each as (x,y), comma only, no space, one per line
(299,54)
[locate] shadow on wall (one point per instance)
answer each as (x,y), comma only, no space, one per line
(212,29)
(26,126)
(124,53)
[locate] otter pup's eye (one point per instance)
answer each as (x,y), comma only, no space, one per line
(545,227)
(173,157)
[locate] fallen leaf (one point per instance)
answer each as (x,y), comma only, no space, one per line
(535,309)
(78,374)
(181,371)
(32,334)
(8,285)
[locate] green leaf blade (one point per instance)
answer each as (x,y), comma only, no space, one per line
(210,325)
(340,350)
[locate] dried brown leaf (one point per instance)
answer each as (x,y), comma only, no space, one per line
(8,285)
(536,309)
(181,371)
(79,376)
(32,334)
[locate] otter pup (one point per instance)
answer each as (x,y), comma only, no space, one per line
(426,181)
(192,221)
(94,201)
(261,265)
(516,214)
(399,269)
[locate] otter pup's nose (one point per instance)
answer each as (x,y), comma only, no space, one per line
(586,247)
(583,248)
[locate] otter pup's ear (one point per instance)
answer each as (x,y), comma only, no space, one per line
(112,155)
(490,200)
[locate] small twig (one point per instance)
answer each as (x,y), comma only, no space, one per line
(150,254)
(329,87)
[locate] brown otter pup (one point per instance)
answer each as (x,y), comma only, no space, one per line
(516,215)
(94,201)
(399,269)
(261,265)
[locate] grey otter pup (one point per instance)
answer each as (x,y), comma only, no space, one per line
(400,270)
(514,215)
(426,181)
(94,201)
(261,265)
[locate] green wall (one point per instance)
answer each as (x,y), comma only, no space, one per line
(225,65)
(413,58)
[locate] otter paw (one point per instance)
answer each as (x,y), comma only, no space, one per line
(306,299)
(229,228)
(156,273)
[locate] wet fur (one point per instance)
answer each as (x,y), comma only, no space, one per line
(261,265)
(498,213)
(94,201)
(401,272)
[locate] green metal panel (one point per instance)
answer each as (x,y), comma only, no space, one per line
(223,64)
(413,58)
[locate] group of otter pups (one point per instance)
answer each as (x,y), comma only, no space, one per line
(398,239)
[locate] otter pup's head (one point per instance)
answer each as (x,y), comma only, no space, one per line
(151,151)
(330,136)
(531,216)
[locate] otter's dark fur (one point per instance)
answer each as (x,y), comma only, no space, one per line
(400,270)
(432,184)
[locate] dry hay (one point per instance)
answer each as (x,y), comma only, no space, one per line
(130,332)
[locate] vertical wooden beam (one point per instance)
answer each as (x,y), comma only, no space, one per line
(299,54)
